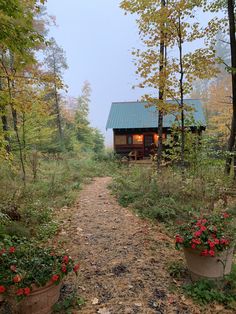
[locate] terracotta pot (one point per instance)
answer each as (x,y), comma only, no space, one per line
(39,301)
(209,267)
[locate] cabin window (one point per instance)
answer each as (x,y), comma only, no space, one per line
(138,139)
(156,137)
(120,139)
(129,140)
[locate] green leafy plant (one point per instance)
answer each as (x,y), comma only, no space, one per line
(176,269)
(25,265)
(65,305)
(208,291)
(208,234)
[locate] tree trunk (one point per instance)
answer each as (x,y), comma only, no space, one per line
(5,126)
(57,105)
(15,126)
(231,140)
(181,92)
(58,114)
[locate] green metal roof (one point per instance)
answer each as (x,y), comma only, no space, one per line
(132,115)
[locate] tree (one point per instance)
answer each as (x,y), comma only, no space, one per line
(219,107)
(169,26)
(19,39)
(98,141)
(231,140)
(83,129)
(56,63)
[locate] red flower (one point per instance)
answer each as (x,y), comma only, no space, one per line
(203,228)
(17,278)
(76,267)
(211,253)
(26,291)
(204,253)
(211,244)
(216,241)
(65,259)
(201,222)
(55,278)
(193,246)
(224,241)
(63,268)
(225,215)
(20,291)
(196,241)
(2,289)
(13,268)
(178,239)
(197,233)
(12,249)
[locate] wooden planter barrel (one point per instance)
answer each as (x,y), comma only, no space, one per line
(208,267)
(39,301)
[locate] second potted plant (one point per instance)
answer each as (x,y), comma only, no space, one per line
(208,243)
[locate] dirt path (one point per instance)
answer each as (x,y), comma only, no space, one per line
(123,258)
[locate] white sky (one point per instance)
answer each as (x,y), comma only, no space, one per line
(97,38)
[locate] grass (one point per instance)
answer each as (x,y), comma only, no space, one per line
(170,196)
(31,209)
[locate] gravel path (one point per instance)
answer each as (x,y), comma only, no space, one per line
(123,258)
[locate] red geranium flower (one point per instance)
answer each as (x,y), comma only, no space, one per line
(26,291)
(225,215)
(17,278)
(65,259)
(12,249)
(204,253)
(63,268)
(55,278)
(76,267)
(196,241)
(203,228)
(20,291)
(224,241)
(211,244)
(2,289)
(178,239)
(211,253)
(197,233)
(13,268)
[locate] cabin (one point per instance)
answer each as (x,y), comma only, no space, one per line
(135,125)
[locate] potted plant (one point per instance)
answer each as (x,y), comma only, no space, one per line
(208,243)
(31,275)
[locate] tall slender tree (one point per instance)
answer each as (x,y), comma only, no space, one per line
(56,63)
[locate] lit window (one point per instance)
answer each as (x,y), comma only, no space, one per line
(156,137)
(138,139)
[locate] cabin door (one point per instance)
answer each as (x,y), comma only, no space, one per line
(148,141)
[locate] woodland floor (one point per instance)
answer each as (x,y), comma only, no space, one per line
(123,258)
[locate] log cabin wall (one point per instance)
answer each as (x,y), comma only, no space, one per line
(139,140)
